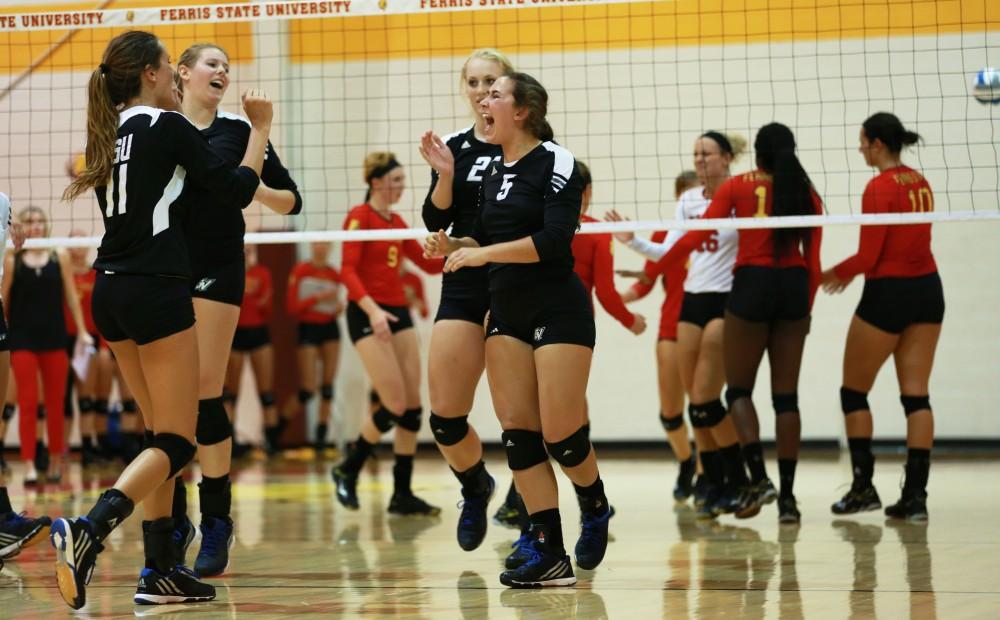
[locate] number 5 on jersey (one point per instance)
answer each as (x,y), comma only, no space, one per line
(123,150)
(505,186)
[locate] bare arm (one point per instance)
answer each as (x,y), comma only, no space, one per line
(69,290)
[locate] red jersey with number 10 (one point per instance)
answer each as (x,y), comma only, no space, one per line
(256,306)
(893,251)
(372,268)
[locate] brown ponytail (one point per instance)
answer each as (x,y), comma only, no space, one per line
(117,80)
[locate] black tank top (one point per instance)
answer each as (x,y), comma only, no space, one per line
(36,306)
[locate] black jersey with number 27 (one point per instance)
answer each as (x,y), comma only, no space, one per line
(157,152)
(537,196)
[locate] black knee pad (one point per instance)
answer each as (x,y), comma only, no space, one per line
(101,406)
(85,404)
(733,394)
(524,449)
(129,406)
(180,451)
(785,403)
(373,398)
(852,400)
(8,411)
(228,398)
(326,391)
(305,396)
(914,403)
(410,420)
(266,399)
(707,415)
(383,420)
(672,423)
(147,438)
(449,431)
(571,451)
(213,424)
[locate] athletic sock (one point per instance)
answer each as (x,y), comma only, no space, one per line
(546,527)
(786,473)
(357,454)
(111,509)
(754,455)
(180,504)
(712,466)
(591,498)
(732,460)
(216,496)
(475,480)
(402,474)
(918,466)
(4,501)
(862,460)
(158,546)
(321,437)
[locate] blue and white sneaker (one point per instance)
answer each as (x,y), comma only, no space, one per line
(183,537)
(593,541)
(543,569)
(520,554)
(76,557)
(18,532)
(180,585)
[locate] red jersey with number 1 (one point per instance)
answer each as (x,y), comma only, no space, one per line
(84,291)
(372,268)
(593,261)
(256,306)
(751,195)
(893,251)
(306,284)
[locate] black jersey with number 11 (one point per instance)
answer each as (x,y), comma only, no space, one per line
(156,153)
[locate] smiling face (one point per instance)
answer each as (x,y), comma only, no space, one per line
(502,116)
(389,187)
(710,163)
(208,78)
(480,74)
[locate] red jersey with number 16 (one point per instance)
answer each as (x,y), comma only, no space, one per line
(893,251)
(372,268)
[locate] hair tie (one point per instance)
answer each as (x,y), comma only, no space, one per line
(104,68)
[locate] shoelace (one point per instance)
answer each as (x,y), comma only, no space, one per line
(210,542)
(523,542)
(468,518)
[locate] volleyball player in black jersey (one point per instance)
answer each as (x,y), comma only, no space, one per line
(139,158)
(215,242)
(540,333)
(457,353)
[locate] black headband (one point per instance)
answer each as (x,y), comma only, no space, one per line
(719,139)
(383,170)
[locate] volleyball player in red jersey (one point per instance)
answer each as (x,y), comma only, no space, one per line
(594,263)
(381,328)
(253,339)
(775,280)
(314,299)
(900,314)
(668,373)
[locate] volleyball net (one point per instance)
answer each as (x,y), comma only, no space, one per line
(631,84)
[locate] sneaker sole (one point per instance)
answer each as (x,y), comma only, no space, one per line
(165,599)
(548,583)
(789,520)
(865,508)
(747,513)
(33,538)
(65,570)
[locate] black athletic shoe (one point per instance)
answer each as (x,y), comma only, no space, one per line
(858,499)
(42,460)
(911,507)
(748,503)
(520,554)
(408,504)
(684,486)
(347,488)
(508,515)
(706,510)
(183,537)
(543,568)
(766,493)
(788,510)
(593,541)
(180,585)
(76,556)
(18,532)
(701,485)
(216,539)
(472,521)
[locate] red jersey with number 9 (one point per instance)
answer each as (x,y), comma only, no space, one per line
(893,251)
(372,268)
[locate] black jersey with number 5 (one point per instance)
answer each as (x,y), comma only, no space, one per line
(537,196)
(156,154)
(472,159)
(214,235)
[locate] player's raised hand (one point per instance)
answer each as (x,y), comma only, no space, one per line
(258,107)
(437,154)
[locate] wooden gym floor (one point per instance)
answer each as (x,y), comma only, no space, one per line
(298,554)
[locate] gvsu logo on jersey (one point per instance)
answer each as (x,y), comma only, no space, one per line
(539,332)
(203,284)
